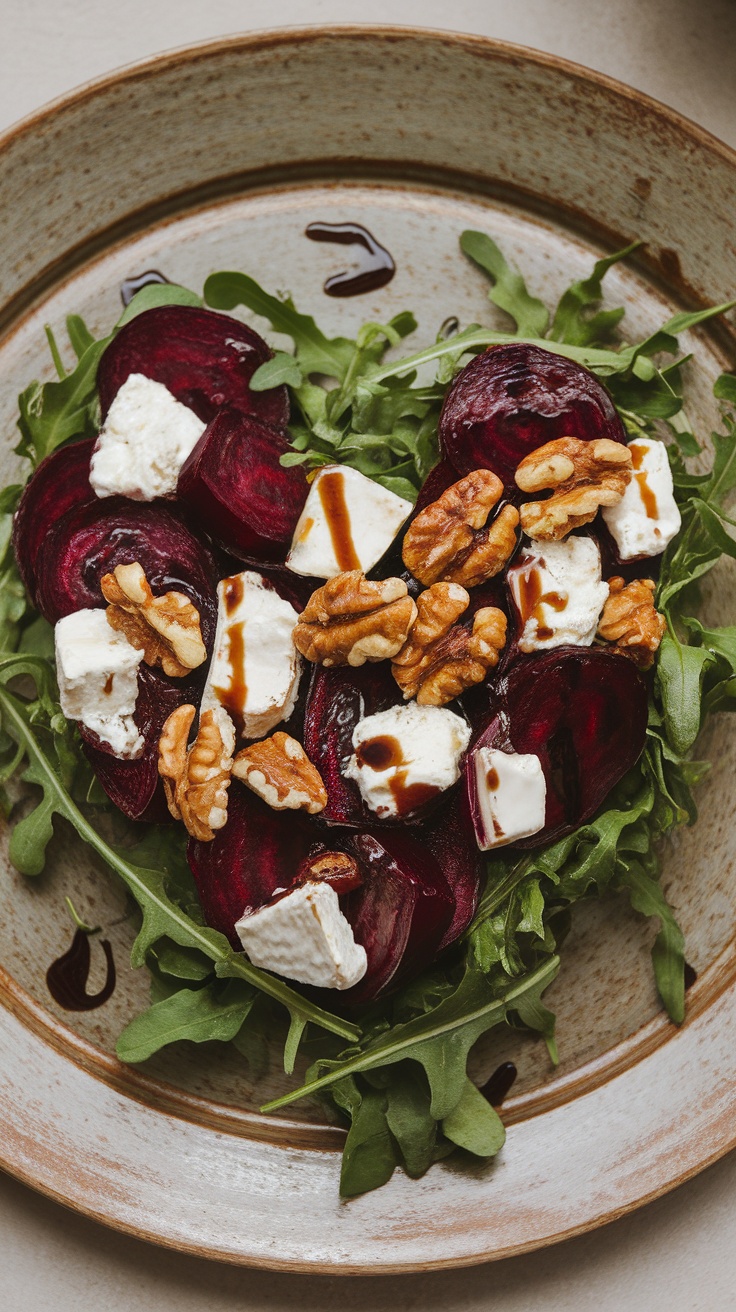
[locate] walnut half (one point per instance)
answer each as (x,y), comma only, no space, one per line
(583,477)
(451,540)
(279,770)
(167,628)
(196,779)
(442,658)
(352,620)
(630,620)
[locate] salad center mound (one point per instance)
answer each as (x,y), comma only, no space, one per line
(389,661)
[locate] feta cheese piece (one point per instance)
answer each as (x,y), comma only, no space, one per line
(348,522)
(255,668)
(97,670)
(405,755)
(646,518)
(511,793)
(558,593)
(305,937)
(144,442)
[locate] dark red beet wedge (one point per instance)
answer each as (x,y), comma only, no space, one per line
(91,540)
(401,912)
(237,491)
(60,483)
(256,855)
(135,786)
(449,837)
(205,359)
(583,712)
(512,399)
(437,481)
(337,699)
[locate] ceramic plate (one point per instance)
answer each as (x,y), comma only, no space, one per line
(218,157)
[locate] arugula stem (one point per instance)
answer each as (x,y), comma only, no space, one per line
(401,1047)
(499,895)
(477,338)
(226,959)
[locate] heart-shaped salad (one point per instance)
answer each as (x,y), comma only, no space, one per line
(385,659)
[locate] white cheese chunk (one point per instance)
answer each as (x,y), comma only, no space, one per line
(404,755)
(255,668)
(97,670)
(511,793)
(646,518)
(348,522)
(305,937)
(558,593)
(144,442)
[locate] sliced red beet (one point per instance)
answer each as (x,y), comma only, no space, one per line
(437,481)
(135,786)
(256,855)
(583,712)
(237,491)
(449,837)
(337,699)
(60,483)
(205,359)
(512,399)
(401,912)
(90,540)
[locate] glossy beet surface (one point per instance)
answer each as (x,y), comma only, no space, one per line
(449,837)
(583,712)
(135,786)
(337,699)
(257,854)
(205,359)
(92,539)
(238,492)
(512,399)
(60,483)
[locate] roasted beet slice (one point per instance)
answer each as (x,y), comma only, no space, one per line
(60,483)
(401,912)
(135,786)
(257,854)
(237,491)
(90,540)
(205,359)
(437,481)
(337,699)
(583,712)
(512,399)
(450,838)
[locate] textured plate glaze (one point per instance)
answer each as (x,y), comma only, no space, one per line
(219,157)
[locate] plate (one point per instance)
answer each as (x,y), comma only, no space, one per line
(218,157)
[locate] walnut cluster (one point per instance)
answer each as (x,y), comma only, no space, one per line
(351,620)
(451,541)
(279,770)
(196,778)
(167,628)
(442,658)
(582,476)
(631,621)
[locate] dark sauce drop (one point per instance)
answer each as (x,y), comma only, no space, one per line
(691,975)
(376,265)
(380,753)
(67,977)
(130,286)
(331,487)
(410,797)
(497,1087)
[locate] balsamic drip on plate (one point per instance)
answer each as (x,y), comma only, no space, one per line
(376,267)
(67,977)
(130,286)
(497,1087)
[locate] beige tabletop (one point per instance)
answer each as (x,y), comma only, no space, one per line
(679,1252)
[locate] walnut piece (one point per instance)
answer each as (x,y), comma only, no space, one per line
(583,475)
(352,620)
(338,869)
(279,770)
(451,541)
(630,620)
(167,628)
(442,658)
(196,779)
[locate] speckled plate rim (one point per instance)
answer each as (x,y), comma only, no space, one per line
(715,990)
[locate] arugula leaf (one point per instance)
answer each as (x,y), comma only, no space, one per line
(369,1157)
(668,953)
(13,601)
(508,290)
(574,319)
(155,294)
(52,413)
(474,1125)
(198,1015)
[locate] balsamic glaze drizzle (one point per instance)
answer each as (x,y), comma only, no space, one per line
(376,266)
(130,286)
(497,1087)
(67,977)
